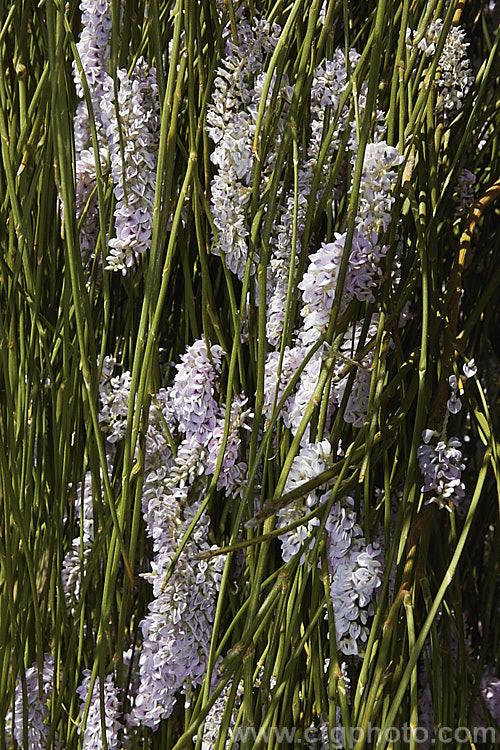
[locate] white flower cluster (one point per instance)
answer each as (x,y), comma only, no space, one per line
(304,392)
(191,396)
(311,461)
(232,128)
(93,49)
(292,358)
(213,721)
(319,287)
(127,126)
(357,403)
(441,466)
(133,168)
(36,708)
(231,117)
(319,283)
(378,180)
(92,735)
(354,567)
(176,632)
(355,574)
(233,470)
(75,560)
(329,83)
(114,394)
(454,77)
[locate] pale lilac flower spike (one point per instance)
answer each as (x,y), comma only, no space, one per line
(92,736)
(191,395)
(38,713)
(441,466)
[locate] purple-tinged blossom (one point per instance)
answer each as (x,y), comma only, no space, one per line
(355,574)
(213,721)
(292,359)
(378,180)
(134,170)
(357,403)
(441,466)
(308,464)
(233,470)
(469,369)
(231,118)
(37,707)
(454,71)
(94,52)
(177,629)
(114,394)
(328,85)
(191,395)
(305,389)
(86,199)
(93,47)
(319,284)
(167,486)
(92,737)
(75,560)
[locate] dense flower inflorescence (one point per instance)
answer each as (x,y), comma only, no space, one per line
(233,470)
(441,466)
(36,707)
(455,73)
(231,118)
(177,629)
(355,574)
(214,718)
(126,116)
(133,148)
(310,462)
(191,396)
(378,180)
(93,49)
(328,85)
(92,734)
(319,284)
(75,560)
(357,400)
(183,443)
(114,394)
(292,359)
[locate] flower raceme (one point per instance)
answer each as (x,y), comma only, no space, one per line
(126,115)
